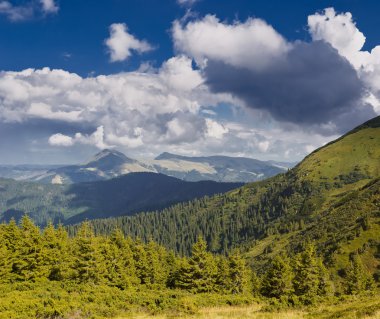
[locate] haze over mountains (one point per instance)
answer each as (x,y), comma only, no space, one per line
(111,163)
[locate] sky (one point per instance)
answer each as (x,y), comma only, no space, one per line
(271,80)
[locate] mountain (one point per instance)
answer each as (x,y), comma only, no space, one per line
(124,195)
(110,163)
(218,168)
(24,172)
(104,165)
(331,198)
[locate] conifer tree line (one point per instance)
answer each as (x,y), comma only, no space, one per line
(28,253)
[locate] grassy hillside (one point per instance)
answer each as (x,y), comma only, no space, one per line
(331,198)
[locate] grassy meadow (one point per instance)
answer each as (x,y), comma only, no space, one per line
(368,308)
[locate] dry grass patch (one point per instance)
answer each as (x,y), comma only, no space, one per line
(228,312)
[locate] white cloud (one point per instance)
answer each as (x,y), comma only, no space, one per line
(188,3)
(180,75)
(341,32)
(134,109)
(49,6)
(121,43)
(16,13)
(214,129)
(96,139)
(263,146)
(28,10)
(44,111)
(61,140)
(253,43)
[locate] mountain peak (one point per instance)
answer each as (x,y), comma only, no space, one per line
(108,152)
(108,159)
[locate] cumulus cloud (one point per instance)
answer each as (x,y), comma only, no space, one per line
(28,10)
(252,44)
(96,139)
(339,30)
(121,43)
(310,84)
(61,140)
(215,129)
(44,111)
(133,109)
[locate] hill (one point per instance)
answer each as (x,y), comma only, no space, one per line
(332,198)
(111,163)
(124,195)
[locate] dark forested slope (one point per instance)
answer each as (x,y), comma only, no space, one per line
(124,195)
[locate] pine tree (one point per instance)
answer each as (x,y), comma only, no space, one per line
(88,263)
(5,263)
(11,241)
(310,276)
(239,274)
(56,258)
(223,280)
(29,265)
(156,260)
(277,282)
(141,262)
(119,262)
(358,279)
(198,273)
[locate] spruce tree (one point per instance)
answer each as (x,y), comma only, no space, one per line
(31,254)
(56,257)
(310,276)
(358,279)
(198,273)
(88,263)
(239,274)
(277,281)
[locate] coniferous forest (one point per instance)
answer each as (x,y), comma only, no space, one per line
(47,274)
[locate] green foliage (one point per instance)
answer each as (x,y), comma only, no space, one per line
(48,274)
(277,282)
(358,279)
(310,276)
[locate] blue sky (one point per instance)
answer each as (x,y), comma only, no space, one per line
(80,27)
(146,76)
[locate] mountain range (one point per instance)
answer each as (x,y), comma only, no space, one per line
(109,164)
(123,195)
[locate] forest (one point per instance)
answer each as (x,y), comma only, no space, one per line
(46,273)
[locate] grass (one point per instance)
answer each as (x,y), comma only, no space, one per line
(341,158)
(362,308)
(246,312)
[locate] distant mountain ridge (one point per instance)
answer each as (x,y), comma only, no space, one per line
(120,196)
(111,163)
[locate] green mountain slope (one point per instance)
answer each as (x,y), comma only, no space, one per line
(331,198)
